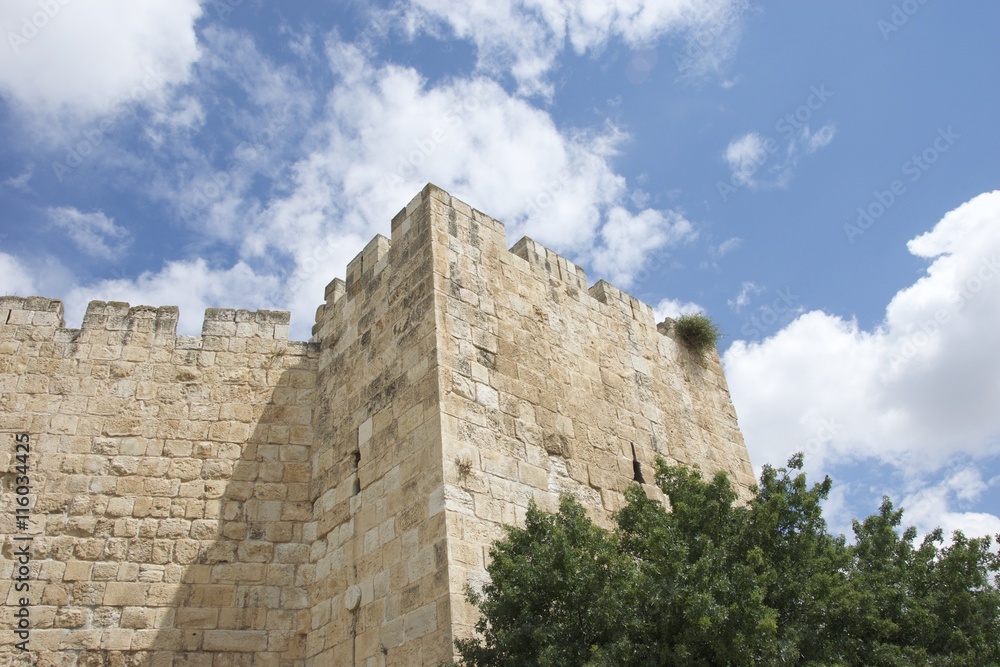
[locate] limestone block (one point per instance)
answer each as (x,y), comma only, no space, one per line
(419,622)
(125,594)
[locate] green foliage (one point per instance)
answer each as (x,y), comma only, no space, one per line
(697,332)
(714,582)
(559,588)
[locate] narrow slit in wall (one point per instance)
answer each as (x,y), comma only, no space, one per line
(357,479)
(636,467)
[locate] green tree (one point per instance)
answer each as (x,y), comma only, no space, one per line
(715,582)
(560,589)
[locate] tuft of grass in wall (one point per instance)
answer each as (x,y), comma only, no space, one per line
(697,332)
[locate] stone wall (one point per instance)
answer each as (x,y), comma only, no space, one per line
(381,592)
(549,387)
(170,477)
(239,499)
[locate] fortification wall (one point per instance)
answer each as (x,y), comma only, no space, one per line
(170,484)
(549,387)
(381,591)
(239,499)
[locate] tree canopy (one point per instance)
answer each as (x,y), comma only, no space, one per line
(714,582)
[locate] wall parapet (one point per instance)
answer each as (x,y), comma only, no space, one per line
(117,322)
(32,310)
(549,261)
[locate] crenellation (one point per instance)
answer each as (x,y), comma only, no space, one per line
(35,311)
(237,497)
(609,295)
(367,264)
(557,267)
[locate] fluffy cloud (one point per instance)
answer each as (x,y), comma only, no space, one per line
(381,133)
(627,240)
(674,308)
(727,246)
(525,38)
(15,278)
(941,505)
(747,291)
(745,155)
(219,191)
(87,56)
(915,392)
(760,162)
(93,233)
(388,133)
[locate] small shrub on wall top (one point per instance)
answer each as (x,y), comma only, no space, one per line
(697,332)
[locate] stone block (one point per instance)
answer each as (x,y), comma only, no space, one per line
(125,594)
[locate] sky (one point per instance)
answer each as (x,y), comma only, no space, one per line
(820,178)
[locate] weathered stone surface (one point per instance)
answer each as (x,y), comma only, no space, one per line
(236,498)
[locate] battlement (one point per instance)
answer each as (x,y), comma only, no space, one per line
(119,316)
(544,260)
(481,234)
(33,310)
(463,222)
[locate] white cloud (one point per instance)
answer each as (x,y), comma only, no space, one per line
(820,139)
(941,505)
(85,57)
(674,308)
(384,132)
(185,114)
(745,155)
(525,39)
(747,290)
(388,133)
(22,180)
(728,246)
(760,162)
(915,393)
(93,233)
(15,278)
(627,240)
(219,191)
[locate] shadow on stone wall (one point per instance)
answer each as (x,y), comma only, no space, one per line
(242,598)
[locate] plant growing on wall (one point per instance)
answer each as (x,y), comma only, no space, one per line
(697,332)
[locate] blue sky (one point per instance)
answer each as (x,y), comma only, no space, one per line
(820,178)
